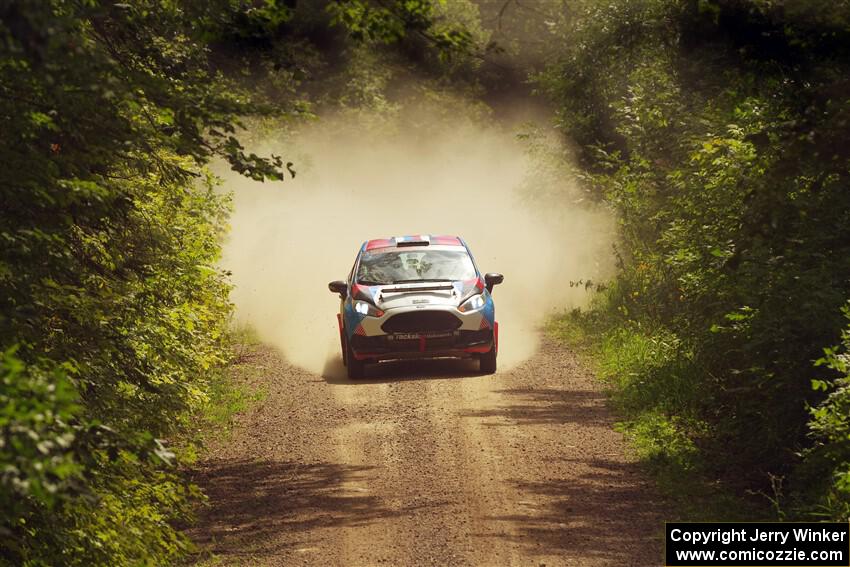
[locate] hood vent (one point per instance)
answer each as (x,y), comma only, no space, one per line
(419,288)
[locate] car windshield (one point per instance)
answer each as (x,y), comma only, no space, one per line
(393,265)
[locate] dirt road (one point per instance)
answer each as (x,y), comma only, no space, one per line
(427,464)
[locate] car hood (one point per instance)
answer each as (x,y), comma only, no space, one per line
(393,296)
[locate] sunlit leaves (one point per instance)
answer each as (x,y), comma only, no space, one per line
(717,130)
(111,313)
(830,424)
(390,22)
(38,410)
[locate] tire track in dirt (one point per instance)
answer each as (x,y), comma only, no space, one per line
(427,463)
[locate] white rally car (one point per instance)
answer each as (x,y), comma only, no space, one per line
(416,297)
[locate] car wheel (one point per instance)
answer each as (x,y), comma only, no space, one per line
(487,362)
(356,368)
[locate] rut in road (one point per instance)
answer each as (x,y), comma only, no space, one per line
(427,463)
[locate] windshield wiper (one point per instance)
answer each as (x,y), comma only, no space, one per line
(370,282)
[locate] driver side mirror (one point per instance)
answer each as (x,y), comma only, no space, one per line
(339,287)
(491,279)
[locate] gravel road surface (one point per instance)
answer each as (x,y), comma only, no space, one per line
(426,464)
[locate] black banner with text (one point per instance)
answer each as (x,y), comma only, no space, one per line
(765,544)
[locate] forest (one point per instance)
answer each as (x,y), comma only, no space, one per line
(715,131)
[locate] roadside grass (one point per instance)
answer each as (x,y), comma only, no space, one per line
(230,391)
(647,375)
(229,396)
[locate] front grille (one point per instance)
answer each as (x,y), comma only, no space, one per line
(368,344)
(440,344)
(421,322)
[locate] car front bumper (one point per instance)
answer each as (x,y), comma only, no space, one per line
(455,344)
(425,332)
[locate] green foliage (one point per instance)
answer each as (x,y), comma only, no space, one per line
(650,373)
(650,381)
(116,340)
(107,83)
(37,415)
(229,391)
(397,20)
(828,460)
(112,307)
(715,129)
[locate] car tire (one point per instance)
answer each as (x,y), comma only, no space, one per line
(487,362)
(356,368)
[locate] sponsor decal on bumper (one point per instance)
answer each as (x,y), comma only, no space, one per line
(417,336)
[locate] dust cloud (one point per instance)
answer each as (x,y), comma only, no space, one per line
(358,178)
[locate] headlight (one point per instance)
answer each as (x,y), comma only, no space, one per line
(366,308)
(471,304)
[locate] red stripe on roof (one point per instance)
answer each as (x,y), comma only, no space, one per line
(446,240)
(379,243)
(443,240)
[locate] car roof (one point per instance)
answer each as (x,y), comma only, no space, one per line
(412,241)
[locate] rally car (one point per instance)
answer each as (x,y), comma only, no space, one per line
(416,297)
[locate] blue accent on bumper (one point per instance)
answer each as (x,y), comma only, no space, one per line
(351,318)
(489,309)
